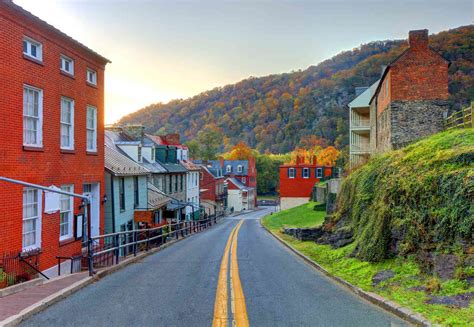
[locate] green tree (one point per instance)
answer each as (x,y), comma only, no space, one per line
(210,140)
(194,149)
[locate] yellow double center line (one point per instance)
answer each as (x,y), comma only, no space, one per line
(239,309)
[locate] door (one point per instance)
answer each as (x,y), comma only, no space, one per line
(93,192)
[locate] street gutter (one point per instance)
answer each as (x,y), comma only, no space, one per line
(393,307)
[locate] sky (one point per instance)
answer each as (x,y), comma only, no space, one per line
(163,50)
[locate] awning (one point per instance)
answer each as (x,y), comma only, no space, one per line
(174,206)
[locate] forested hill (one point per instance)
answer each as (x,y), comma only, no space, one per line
(277,112)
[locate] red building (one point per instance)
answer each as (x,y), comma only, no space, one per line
(52,100)
(212,193)
(297,181)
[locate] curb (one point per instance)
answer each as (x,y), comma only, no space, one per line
(41,305)
(395,308)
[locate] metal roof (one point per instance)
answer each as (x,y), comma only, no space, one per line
(120,165)
(239,184)
(156,198)
(363,100)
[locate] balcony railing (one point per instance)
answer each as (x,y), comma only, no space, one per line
(361,123)
(360,148)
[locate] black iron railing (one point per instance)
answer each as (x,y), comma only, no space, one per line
(18,266)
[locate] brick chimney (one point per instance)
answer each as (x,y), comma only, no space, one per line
(172,139)
(418,39)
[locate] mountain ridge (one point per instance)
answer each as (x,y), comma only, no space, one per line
(276,112)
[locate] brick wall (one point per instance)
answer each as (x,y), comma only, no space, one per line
(49,165)
(299,186)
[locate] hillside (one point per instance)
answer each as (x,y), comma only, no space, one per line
(411,201)
(275,113)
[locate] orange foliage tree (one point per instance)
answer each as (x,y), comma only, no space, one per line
(240,151)
(328,156)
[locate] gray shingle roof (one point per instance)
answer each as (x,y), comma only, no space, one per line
(120,165)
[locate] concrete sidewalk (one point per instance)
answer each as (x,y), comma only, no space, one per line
(14,304)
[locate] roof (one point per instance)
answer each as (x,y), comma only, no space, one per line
(154,167)
(120,165)
(238,184)
(233,163)
(29,15)
(363,100)
(174,167)
(213,172)
(156,198)
(190,165)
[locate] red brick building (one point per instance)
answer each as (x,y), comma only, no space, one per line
(212,193)
(411,97)
(297,181)
(51,133)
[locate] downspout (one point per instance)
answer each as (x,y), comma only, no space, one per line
(113,201)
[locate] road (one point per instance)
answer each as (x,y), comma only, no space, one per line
(206,280)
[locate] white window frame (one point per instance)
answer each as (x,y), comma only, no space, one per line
(69,124)
(39,118)
(63,60)
(70,199)
(39,48)
(291,172)
(38,219)
(91,129)
(228,168)
(244,180)
(305,170)
(240,169)
(92,81)
(319,173)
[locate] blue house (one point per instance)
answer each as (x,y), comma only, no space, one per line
(126,189)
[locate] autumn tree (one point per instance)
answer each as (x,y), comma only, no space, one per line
(194,149)
(240,151)
(328,156)
(209,139)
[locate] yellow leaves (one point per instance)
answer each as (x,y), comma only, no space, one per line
(328,156)
(322,156)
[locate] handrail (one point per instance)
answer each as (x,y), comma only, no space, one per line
(33,267)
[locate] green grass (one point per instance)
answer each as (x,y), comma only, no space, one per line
(360,273)
(301,216)
(267,197)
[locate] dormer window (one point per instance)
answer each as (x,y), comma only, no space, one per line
(67,65)
(239,168)
(228,169)
(152,154)
(32,49)
(91,76)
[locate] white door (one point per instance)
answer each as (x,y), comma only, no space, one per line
(93,191)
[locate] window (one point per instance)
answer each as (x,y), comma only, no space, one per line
(136,193)
(291,172)
(170,184)
(152,154)
(32,49)
(31,233)
(67,123)
(175,182)
(319,172)
(228,169)
(305,172)
(239,168)
(67,65)
(122,193)
(87,188)
(91,129)
(32,116)
(139,154)
(244,180)
(66,213)
(182,182)
(91,76)
(201,175)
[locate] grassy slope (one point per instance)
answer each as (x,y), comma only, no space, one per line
(358,272)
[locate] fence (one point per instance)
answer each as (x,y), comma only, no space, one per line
(107,250)
(462,118)
(17,267)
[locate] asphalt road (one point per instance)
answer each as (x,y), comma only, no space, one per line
(177,287)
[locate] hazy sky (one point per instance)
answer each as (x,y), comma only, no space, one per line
(161,50)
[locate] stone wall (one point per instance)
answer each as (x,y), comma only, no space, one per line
(412,120)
